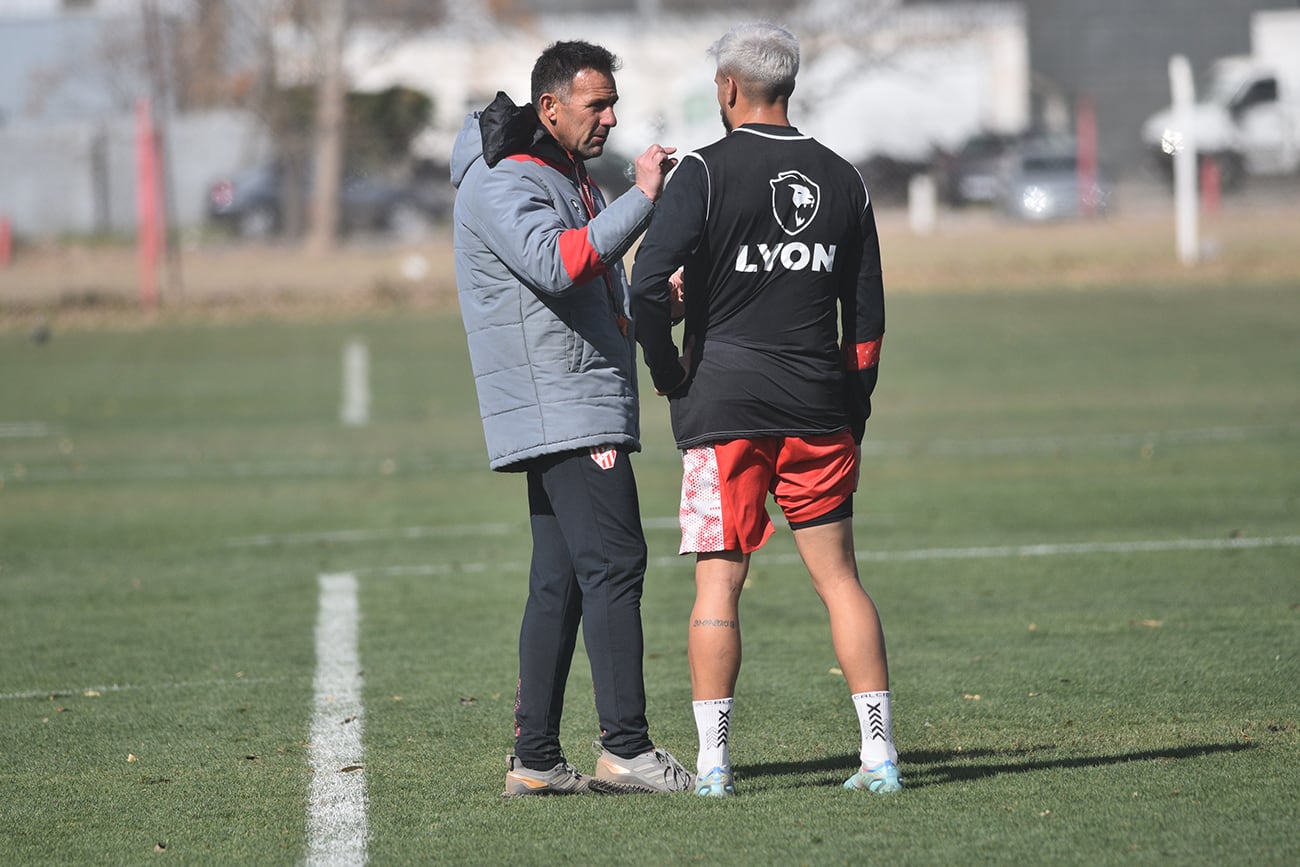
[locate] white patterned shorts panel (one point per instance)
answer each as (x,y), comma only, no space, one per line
(701,507)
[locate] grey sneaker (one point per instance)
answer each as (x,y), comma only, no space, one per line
(652,771)
(563,779)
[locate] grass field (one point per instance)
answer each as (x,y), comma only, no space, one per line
(1080,517)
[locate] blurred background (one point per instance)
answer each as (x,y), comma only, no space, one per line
(169,128)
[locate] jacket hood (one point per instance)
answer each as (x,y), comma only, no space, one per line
(495,133)
(467,149)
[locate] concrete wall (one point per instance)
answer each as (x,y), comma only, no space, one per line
(79,178)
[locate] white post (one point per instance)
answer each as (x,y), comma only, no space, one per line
(1181,142)
(355,408)
(921,207)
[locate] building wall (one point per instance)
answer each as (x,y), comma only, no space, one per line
(897,86)
(79,176)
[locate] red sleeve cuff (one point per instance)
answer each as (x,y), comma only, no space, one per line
(862,356)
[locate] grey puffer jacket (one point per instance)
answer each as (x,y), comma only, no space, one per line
(542,290)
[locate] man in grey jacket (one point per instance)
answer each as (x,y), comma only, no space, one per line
(545,302)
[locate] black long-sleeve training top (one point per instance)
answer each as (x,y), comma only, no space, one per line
(775,232)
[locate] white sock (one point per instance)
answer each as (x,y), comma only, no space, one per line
(713,721)
(877,728)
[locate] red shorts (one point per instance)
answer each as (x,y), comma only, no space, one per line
(725,487)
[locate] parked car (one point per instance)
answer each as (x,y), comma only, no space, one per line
(1043,183)
(1246,121)
(887,178)
(251,203)
(975,174)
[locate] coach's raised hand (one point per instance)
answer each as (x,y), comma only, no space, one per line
(651,169)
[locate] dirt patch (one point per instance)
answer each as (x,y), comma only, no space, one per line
(88,283)
(982,253)
(968,252)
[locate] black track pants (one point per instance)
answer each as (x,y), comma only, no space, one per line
(588,567)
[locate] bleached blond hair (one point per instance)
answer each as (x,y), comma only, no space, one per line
(761,56)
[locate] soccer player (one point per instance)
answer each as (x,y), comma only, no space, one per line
(544,299)
(784,313)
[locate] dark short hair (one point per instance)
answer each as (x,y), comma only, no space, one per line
(557,66)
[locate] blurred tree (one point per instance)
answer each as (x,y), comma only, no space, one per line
(412,14)
(331,115)
(379,126)
(310,124)
(199,59)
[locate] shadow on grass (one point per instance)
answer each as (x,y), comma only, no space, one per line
(937,767)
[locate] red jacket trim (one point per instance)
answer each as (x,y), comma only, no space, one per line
(580,258)
(530,158)
(581,261)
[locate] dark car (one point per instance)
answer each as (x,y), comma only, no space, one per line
(888,178)
(974,174)
(252,203)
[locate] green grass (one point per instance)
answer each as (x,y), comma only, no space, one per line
(161,539)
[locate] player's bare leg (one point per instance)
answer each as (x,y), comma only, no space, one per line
(713,648)
(713,642)
(856,634)
(859,643)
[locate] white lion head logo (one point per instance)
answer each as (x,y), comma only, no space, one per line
(794,201)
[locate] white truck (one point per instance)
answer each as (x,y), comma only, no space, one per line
(1247,116)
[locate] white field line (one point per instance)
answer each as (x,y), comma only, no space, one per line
(93,691)
(303,468)
(456,531)
(306,467)
(1057,549)
(1151,546)
(337,827)
(355,408)
(1047,444)
(378,535)
(24,429)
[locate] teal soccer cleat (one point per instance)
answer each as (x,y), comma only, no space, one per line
(717,783)
(882,779)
